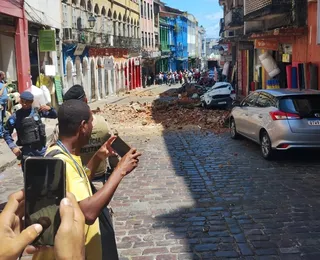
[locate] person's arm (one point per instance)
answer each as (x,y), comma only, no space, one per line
(7,135)
(3,88)
(102,154)
(48,112)
(92,206)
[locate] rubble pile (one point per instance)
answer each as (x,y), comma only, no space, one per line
(175,114)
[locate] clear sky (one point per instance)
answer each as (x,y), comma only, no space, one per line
(207,12)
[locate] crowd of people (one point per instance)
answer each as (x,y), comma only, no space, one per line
(177,77)
(86,230)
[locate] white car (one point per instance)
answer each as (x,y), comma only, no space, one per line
(220,95)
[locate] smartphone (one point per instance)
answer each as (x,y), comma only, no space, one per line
(120,147)
(45,187)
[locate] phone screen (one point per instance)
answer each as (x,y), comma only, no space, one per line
(44,189)
(120,147)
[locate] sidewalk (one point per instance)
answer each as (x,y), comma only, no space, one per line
(7,158)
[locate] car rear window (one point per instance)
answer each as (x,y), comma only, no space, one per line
(304,105)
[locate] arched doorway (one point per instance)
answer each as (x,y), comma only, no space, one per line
(69,73)
(85,70)
(100,81)
(117,78)
(93,81)
(78,71)
(126,76)
(106,82)
(130,75)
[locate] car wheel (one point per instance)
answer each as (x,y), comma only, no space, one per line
(266,147)
(233,129)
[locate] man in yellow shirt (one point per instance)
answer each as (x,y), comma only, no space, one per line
(75,127)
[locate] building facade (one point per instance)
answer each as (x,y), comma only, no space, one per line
(287,30)
(103,56)
(14,51)
(149,28)
(192,39)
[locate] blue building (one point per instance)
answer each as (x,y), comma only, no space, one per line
(173,40)
(181,44)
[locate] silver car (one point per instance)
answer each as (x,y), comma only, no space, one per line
(279,119)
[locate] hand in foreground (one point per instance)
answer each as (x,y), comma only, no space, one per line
(16,151)
(106,150)
(44,108)
(69,241)
(129,162)
(13,242)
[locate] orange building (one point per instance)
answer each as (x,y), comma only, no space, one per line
(305,49)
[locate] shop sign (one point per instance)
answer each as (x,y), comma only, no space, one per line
(115,52)
(266,45)
(108,64)
(245,46)
(47,40)
(79,50)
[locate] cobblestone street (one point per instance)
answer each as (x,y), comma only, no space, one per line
(202,196)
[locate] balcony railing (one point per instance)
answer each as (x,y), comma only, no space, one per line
(234,18)
(221,32)
(126,42)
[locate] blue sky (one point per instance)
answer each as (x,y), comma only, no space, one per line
(207,12)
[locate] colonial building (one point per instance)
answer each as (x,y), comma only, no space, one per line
(149,30)
(101,45)
(286,30)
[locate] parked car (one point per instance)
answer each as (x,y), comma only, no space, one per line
(221,94)
(279,119)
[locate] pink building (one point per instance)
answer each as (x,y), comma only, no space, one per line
(147,25)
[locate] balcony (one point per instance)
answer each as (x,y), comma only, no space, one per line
(263,15)
(126,42)
(221,32)
(266,9)
(234,19)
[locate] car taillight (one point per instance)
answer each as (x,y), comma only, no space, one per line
(279,115)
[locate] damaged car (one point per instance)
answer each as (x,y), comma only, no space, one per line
(221,95)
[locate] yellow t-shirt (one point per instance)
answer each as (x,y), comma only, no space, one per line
(80,187)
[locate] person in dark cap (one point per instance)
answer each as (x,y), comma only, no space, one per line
(29,127)
(100,134)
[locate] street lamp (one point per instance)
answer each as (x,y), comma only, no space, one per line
(92,21)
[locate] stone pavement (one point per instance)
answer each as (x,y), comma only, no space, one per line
(196,195)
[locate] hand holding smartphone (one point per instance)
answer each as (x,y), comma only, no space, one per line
(45,187)
(120,147)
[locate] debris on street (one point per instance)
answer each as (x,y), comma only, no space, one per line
(170,114)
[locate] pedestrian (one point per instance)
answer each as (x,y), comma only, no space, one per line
(160,78)
(165,78)
(3,100)
(30,129)
(101,132)
(75,127)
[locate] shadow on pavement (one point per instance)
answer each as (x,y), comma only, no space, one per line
(225,201)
